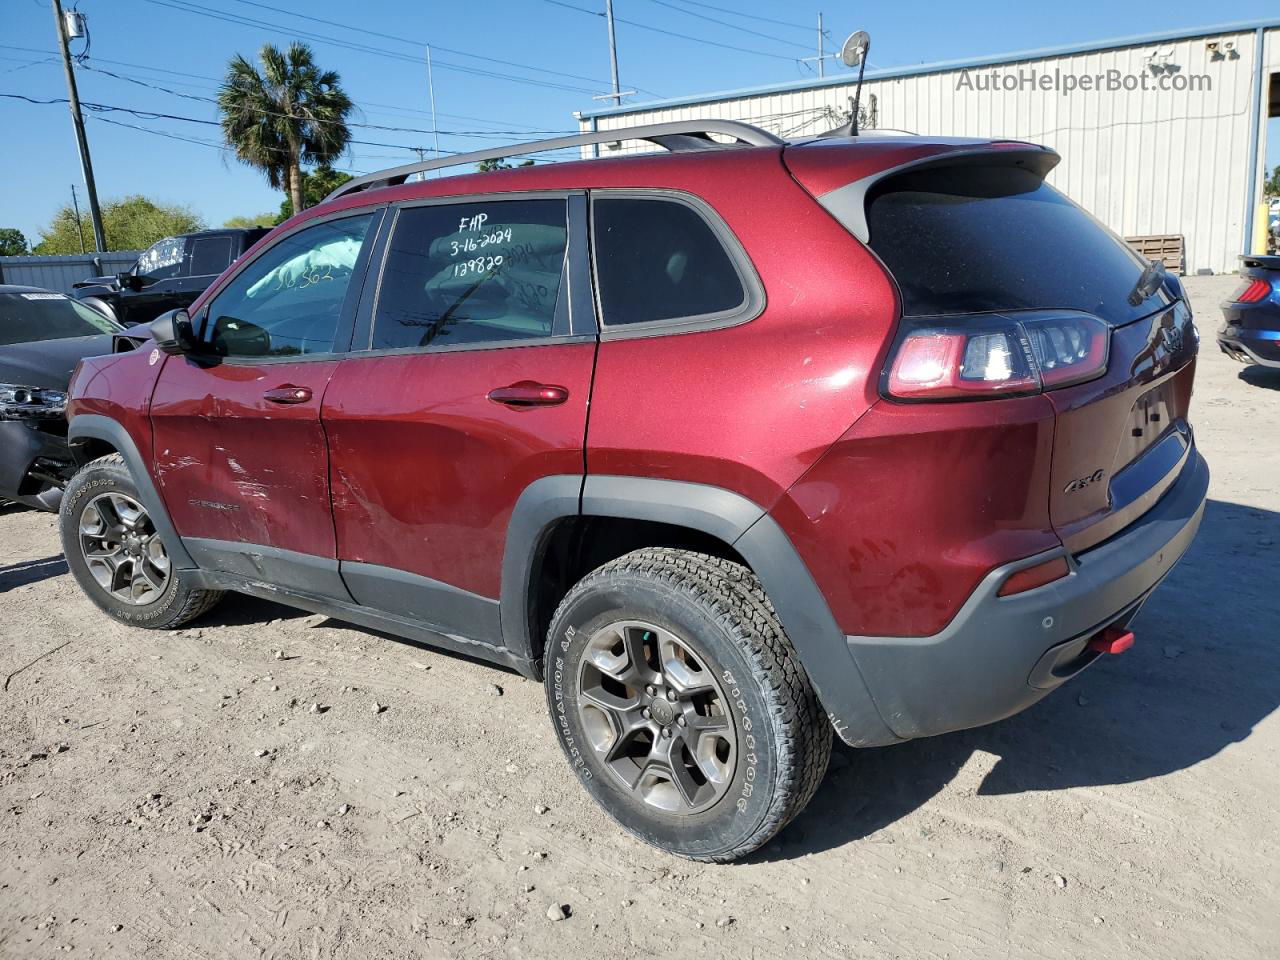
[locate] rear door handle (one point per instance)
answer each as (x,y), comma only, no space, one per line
(529,393)
(288,394)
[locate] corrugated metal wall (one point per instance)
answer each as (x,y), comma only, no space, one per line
(1143,162)
(59,273)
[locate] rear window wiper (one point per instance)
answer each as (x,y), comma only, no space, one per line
(1151,280)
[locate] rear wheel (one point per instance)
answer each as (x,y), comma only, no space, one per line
(681,705)
(114,551)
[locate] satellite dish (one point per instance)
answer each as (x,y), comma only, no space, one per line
(855,49)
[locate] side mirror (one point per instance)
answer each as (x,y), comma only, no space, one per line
(173,333)
(125,280)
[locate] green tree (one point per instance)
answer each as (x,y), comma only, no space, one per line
(1272,187)
(260,220)
(131,223)
(316,185)
(488,166)
(12,243)
(291,114)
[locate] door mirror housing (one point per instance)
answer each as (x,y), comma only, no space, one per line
(174,333)
(135,281)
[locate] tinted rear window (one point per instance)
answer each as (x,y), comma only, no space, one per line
(977,239)
(660,260)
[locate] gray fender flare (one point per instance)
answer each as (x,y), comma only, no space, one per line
(729,517)
(93,426)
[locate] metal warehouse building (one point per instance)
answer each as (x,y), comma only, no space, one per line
(1162,136)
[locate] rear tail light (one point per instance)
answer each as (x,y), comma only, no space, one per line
(1254,291)
(991,355)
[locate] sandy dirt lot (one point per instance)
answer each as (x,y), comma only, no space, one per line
(178,796)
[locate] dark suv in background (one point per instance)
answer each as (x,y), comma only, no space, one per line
(169,274)
(729,447)
(43,335)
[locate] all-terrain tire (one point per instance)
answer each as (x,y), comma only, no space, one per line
(719,609)
(179,601)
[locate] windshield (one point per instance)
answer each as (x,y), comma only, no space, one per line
(980,239)
(161,260)
(28,317)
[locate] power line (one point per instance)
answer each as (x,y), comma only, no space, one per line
(198,142)
(725,23)
(360,47)
(99,108)
(668,33)
(24,64)
(214,84)
(160,115)
(415,43)
(349,123)
(749,16)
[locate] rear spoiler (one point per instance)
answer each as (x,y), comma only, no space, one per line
(848,203)
(1261,262)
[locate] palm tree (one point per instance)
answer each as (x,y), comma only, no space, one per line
(290,114)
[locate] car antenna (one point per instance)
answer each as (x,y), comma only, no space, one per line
(853,54)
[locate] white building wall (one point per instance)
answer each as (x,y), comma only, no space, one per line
(1143,162)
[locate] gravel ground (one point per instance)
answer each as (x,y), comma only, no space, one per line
(199,794)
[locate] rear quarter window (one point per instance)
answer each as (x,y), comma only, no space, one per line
(981,239)
(659,260)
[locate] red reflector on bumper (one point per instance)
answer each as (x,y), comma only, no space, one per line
(1112,640)
(1033,577)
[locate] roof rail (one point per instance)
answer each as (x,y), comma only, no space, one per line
(679,135)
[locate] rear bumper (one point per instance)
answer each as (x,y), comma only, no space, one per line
(1256,346)
(999,655)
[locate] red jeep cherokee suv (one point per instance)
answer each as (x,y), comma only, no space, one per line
(728,446)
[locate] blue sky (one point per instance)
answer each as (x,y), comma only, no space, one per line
(169,44)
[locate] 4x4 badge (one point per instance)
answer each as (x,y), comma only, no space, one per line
(1083,482)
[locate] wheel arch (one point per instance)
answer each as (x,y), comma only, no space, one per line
(103,306)
(728,524)
(91,436)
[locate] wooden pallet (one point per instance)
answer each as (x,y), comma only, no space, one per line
(1170,248)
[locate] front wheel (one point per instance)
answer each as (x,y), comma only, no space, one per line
(115,553)
(681,704)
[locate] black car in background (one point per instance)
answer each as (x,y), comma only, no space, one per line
(169,275)
(43,335)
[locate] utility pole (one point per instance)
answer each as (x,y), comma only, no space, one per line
(613,54)
(822,59)
(75,205)
(431,88)
(86,165)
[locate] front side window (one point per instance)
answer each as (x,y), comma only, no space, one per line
(472,273)
(288,301)
(658,259)
(210,256)
(162,260)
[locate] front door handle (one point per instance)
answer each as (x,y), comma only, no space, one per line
(288,394)
(529,393)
